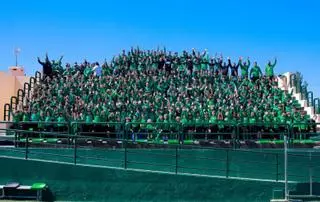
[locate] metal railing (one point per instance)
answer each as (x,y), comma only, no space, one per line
(177,132)
(175,159)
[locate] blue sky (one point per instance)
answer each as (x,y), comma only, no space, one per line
(95,30)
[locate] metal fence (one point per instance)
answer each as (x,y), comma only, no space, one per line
(303,132)
(178,159)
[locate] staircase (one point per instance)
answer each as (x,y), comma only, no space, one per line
(284,84)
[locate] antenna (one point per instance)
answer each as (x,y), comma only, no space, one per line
(16,53)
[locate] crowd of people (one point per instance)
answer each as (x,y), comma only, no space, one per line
(161,87)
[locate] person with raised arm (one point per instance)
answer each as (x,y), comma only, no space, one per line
(269,71)
(255,72)
(46,67)
(244,66)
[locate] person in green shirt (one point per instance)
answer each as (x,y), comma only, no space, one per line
(150,130)
(61,126)
(213,122)
(41,120)
(252,121)
(269,71)
(255,72)
(244,66)
(48,119)
(97,127)
(17,116)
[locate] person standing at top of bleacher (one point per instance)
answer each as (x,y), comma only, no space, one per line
(234,69)
(244,66)
(269,71)
(46,67)
(255,72)
(97,69)
(225,69)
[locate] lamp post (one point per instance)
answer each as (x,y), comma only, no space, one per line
(16,53)
(286,167)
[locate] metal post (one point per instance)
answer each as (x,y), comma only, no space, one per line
(27,143)
(75,150)
(285,167)
(176,159)
(125,154)
(277,177)
(310,174)
(227,164)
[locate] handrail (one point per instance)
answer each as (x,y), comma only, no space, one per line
(171,160)
(6,113)
(310,99)
(316,104)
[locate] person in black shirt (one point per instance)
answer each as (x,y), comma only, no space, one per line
(211,66)
(46,67)
(161,64)
(234,69)
(190,65)
(225,68)
(218,66)
(168,66)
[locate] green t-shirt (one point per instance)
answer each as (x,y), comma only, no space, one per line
(244,69)
(17,117)
(213,120)
(34,117)
(60,120)
(96,119)
(88,119)
(252,120)
(25,117)
(255,71)
(270,69)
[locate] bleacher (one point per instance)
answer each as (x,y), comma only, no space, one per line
(16,191)
(161,96)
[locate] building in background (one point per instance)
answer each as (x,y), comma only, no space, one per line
(10,83)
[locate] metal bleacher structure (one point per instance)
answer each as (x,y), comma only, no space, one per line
(288,82)
(79,147)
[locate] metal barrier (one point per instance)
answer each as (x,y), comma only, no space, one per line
(304,93)
(178,159)
(263,131)
(180,133)
(20,96)
(13,104)
(154,132)
(32,83)
(293,80)
(6,112)
(38,77)
(304,131)
(316,104)
(209,131)
(115,130)
(310,99)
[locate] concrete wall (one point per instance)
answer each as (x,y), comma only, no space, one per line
(83,183)
(9,86)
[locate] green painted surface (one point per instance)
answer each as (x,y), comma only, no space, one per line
(82,183)
(214,162)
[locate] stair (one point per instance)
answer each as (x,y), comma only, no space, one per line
(283,84)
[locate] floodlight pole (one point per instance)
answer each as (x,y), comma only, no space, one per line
(16,53)
(286,167)
(16,60)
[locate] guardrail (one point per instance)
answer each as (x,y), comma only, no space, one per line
(177,132)
(176,159)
